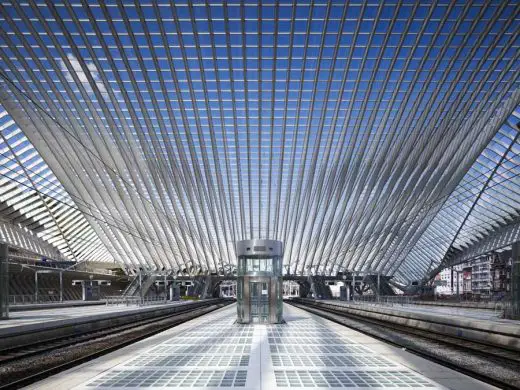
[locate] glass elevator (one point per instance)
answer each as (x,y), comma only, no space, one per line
(259,282)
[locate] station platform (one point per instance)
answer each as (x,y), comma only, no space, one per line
(448,311)
(53,305)
(26,320)
(485,320)
(213,351)
(32,317)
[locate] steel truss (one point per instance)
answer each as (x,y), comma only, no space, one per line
(367,136)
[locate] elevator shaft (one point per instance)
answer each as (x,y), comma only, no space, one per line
(259,282)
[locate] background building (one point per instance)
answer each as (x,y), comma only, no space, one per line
(500,270)
(443,281)
(487,276)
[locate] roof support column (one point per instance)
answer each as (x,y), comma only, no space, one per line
(515,281)
(4,283)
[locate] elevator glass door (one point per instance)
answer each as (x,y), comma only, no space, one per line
(259,293)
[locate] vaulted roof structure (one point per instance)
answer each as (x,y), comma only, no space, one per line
(376,136)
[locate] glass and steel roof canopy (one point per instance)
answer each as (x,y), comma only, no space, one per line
(365,135)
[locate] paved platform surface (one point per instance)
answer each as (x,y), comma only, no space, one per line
(452,312)
(31,317)
(214,352)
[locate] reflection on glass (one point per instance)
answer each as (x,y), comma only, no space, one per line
(270,265)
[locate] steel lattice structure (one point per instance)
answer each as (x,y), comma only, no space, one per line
(365,135)
(37,213)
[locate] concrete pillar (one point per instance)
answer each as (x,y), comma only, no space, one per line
(36,286)
(4,283)
(515,280)
(451,281)
(458,276)
(165,288)
(61,286)
(140,287)
(378,285)
(84,289)
(175,291)
(342,293)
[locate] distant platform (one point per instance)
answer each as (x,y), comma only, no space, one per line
(441,311)
(478,314)
(213,351)
(52,305)
(35,319)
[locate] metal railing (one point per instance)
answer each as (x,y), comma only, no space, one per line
(25,299)
(388,300)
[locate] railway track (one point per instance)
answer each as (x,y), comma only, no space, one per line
(23,365)
(489,363)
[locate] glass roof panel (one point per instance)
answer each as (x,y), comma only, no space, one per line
(365,136)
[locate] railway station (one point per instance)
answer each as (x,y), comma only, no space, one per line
(259,195)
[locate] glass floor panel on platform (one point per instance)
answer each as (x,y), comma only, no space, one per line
(215,352)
